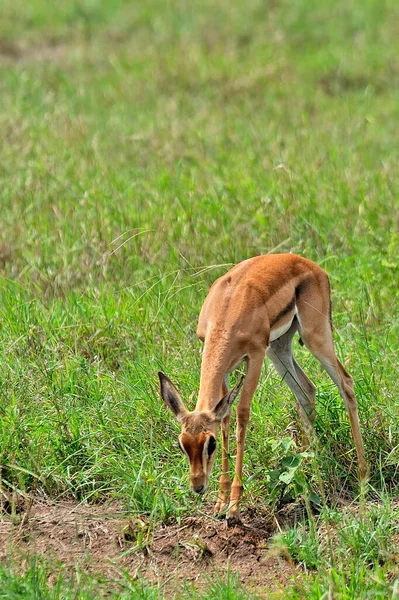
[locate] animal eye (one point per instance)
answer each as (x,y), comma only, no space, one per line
(211,446)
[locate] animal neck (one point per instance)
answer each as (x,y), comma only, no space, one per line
(213,370)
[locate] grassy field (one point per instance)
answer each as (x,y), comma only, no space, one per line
(146,147)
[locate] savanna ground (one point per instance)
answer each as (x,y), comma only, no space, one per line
(146,147)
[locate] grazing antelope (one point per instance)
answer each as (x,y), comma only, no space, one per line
(253,310)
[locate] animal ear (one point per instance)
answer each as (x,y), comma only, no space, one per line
(223,407)
(171,396)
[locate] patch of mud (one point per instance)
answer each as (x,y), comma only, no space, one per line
(106,540)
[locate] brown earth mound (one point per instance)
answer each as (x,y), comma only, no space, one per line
(104,539)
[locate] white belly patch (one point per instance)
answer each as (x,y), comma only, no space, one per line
(279,331)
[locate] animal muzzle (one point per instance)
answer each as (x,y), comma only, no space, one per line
(199,484)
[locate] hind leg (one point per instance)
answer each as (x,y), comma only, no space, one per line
(280,353)
(316,332)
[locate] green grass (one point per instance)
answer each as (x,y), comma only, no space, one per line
(147,147)
(354,554)
(38,582)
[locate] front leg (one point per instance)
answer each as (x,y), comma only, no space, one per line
(233,512)
(243,411)
(224,482)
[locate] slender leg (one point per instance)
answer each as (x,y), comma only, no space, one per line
(224,482)
(280,353)
(344,382)
(309,390)
(316,333)
(243,409)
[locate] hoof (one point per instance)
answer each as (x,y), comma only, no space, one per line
(220,510)
(233,519)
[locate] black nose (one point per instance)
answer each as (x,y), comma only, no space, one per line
(199,489)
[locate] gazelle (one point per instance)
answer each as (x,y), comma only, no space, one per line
(252,311)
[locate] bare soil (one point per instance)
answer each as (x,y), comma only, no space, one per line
(103,539)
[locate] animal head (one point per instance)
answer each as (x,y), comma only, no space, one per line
(198,430)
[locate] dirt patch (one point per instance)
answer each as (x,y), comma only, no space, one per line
(12,52)
(5,254)
(106,540)
(201,547)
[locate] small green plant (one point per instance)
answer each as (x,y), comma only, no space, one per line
(289,479)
